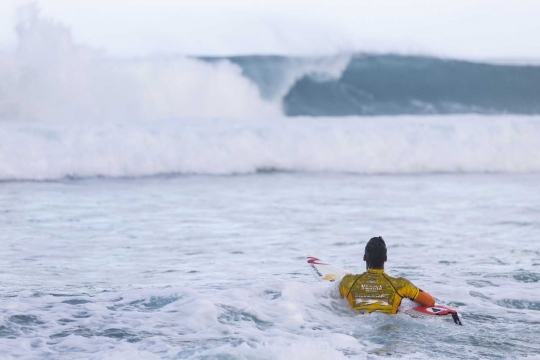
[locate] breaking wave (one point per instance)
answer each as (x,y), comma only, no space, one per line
(68,110)
(49,77)
(369,145)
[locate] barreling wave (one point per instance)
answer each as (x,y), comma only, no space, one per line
(50,78)
(392,85)
(369,145)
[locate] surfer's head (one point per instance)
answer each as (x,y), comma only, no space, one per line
(375,253)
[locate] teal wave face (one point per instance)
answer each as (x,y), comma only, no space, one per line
(379,85)
(393,85)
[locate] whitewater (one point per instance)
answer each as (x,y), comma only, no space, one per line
(162,207)
(380,145)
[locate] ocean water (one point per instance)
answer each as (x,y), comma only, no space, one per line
(162,207)
(203,267)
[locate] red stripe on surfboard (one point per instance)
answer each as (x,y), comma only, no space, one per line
(435,310)
(314,260)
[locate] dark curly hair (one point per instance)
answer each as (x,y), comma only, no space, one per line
(375,253)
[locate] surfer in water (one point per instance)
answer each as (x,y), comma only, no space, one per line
(374,290)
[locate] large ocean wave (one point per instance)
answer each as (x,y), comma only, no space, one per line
(49,77)
(70,110)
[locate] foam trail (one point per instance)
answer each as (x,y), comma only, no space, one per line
(392,145)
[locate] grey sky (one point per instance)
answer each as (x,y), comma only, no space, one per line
(474,29)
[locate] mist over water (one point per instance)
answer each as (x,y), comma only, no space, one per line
(50,78)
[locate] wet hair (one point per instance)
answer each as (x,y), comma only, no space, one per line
(375,253)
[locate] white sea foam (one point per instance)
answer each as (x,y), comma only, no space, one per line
(50,78)
(390,145)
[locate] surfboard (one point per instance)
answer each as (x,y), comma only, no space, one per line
(326,272)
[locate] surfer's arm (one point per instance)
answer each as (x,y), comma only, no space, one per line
(344,286)
(414,293)
(424,298)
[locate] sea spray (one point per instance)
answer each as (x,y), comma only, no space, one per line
(50,78)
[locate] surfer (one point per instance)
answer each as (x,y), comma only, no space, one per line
(375,290)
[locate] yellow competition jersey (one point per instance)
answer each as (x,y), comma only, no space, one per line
(374,290)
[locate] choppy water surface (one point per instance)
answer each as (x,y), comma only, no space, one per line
(214,266)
